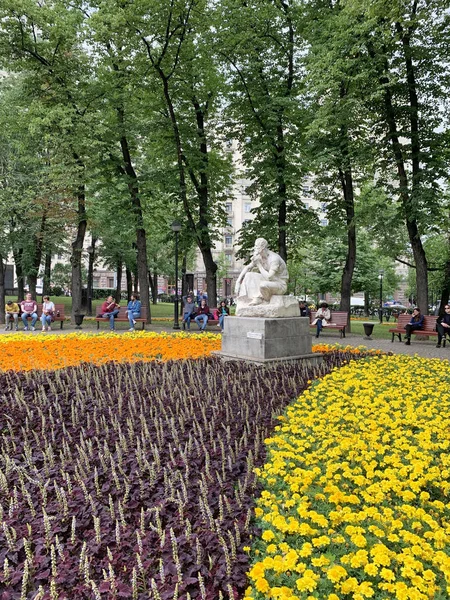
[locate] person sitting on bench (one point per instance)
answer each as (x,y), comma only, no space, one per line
(188,311)
(133,311)
(29,309)
(322,318)
(110,310)
(11,311)
(202,315)
(415,323)
(443,325)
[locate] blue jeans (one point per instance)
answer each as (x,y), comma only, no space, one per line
(221,318)
(187,319)
(203,319)
(46,320)
(111,317)
(131,316)
(33,319)
(319,327)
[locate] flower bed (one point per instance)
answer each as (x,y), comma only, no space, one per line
(135,480)
(25,352)
(355,500)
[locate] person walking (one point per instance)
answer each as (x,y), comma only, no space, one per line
(414,324)
(202,315)
(443,325)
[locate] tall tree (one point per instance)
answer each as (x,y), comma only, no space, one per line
(259,46)
(46,43)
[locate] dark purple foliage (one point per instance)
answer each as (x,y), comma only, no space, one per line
(135,481)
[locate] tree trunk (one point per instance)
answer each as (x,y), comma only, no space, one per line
(141,239)
(2,290)
(119,267)
(77,248)
(350,260)
(18,256)
(366,304)
(90,277)
(46,283)
(37,258)
(184,289)
(129,277)
(155,286)
(32,284)
(280,164)
(407,192)
(153,290)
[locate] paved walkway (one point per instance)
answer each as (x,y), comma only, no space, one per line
(426,349)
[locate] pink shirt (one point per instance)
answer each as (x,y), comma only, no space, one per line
(28,306)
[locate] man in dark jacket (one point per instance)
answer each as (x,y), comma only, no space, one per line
(304,310)
(443,325)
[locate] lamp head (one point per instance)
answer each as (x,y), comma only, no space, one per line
(176,226)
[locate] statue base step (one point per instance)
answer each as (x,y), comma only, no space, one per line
(262,340)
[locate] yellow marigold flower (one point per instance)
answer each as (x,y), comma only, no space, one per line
(371,569)
(349,585)
(259,511)
(268,535)
(359,540)
(336,573)
(387,574)
(333,597)
(262,585)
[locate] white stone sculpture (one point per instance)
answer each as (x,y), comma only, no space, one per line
(261,286)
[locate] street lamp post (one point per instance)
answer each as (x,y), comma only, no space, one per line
(176,228)
(380,277)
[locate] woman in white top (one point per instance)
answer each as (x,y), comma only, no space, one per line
(48,310)
(322,318)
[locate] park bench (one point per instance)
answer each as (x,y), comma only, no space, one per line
(58,316)
(429,327)
(338,321)
(121,317)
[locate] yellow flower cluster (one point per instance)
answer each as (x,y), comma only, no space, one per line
(355,500)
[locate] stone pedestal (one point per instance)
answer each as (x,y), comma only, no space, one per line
(263,340)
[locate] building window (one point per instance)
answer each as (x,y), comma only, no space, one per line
(230,221)
(228,259)
(324,222)
(323,205)
(96,282)
(306,204)
(229,207)
(247,207)
(110,282)
(228,239)
(306,190)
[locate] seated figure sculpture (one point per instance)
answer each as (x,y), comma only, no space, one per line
(265,276)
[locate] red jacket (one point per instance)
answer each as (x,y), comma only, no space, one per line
(108,308)
(203,310)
